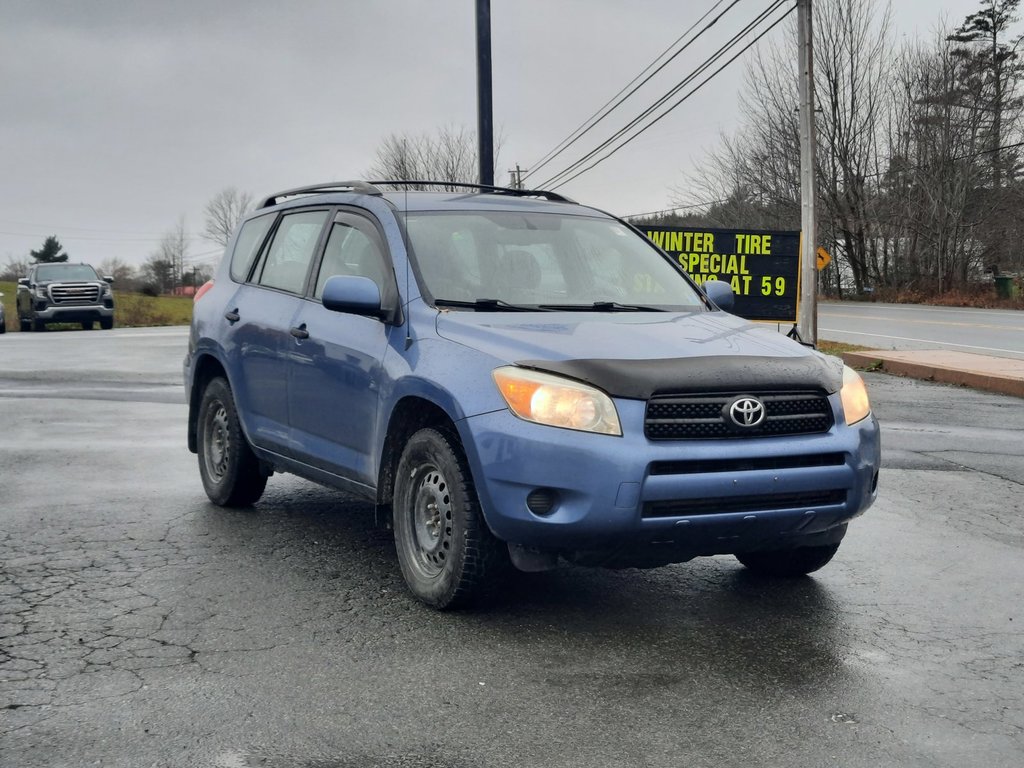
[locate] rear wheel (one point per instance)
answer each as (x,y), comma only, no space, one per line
(789,562)
(230,471)
(448,555)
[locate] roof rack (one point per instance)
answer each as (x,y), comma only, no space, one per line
(319,189)
(553,196)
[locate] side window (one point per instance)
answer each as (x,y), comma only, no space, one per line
(247,245)
(291,251)
(350,251)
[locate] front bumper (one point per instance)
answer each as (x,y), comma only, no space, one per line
(72,314)
(696,497)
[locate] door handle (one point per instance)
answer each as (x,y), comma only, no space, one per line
(232,316)
(300,332)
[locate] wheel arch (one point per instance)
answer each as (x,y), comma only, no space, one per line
(410,414)
(207,367)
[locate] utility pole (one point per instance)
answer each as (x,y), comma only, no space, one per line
(516,177)
(484,122)
(807,322)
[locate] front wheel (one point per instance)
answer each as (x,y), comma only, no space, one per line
(38,325)
(789,562)
(106,323)
(448,555)
(230,471)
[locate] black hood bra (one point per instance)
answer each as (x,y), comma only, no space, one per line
(641,379)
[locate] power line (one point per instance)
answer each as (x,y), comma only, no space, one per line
(703,67)
(677,208)
(591,122)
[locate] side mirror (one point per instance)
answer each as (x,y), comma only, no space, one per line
(720,293)
(23,281)
(109,279)
(353,294)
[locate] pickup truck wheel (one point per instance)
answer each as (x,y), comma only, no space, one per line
(230,471)
(789,562)
(3,326)
(106,323)
(38,325)
(448,555)
(24,325)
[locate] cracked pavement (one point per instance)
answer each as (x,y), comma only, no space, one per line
(142,626)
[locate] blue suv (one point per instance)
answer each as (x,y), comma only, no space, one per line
(520,379)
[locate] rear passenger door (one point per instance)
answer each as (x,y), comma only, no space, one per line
(263,310)
(335,369)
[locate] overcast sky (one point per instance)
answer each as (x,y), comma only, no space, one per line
(117,118)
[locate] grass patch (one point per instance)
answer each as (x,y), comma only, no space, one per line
(837,348)
(131,310)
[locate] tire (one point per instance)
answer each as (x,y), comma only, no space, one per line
(230,471)
(87,325)
(106,323)
(789,562)
(448,555)
(3,326)
(38,325)
(24,325)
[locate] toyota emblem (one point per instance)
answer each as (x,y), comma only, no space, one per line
(746,412)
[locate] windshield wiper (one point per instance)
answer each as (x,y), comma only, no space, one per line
(602,306)
(489,305)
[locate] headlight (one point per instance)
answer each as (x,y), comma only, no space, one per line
(41,291)
(854,396)
(557,402)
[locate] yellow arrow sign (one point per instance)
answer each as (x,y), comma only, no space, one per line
(823,258)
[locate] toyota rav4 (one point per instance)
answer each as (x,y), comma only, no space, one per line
(519,379)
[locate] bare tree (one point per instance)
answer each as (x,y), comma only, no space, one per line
(173,250)
(448,155)
(223,213)
(14,269)
(124,274)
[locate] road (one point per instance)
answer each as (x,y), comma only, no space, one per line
(142,626)
(910,326)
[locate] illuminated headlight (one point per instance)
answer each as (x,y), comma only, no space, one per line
(557,402)
(854,396)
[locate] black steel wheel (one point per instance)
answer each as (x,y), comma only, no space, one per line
(448,555)
(230,471)
(789,562)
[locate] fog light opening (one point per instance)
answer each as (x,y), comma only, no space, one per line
(542,501)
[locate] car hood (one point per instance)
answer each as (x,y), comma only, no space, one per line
(640,354)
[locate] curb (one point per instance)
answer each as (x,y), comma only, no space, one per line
(1001,375)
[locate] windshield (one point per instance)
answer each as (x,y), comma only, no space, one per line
(65,272)
(544,260)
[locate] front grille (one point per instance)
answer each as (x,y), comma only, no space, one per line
(758,503)
(702,416)
(705,466)
(71,293)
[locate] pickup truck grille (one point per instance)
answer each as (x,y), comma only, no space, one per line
(71,293)
(701,417)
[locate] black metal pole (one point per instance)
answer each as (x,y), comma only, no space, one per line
(484,122)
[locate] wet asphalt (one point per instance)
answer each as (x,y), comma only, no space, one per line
(142,626)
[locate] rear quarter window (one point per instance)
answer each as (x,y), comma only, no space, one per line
(247,245)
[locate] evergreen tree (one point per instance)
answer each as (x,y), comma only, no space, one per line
(52,251)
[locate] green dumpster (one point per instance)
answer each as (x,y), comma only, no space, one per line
(1005,288)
